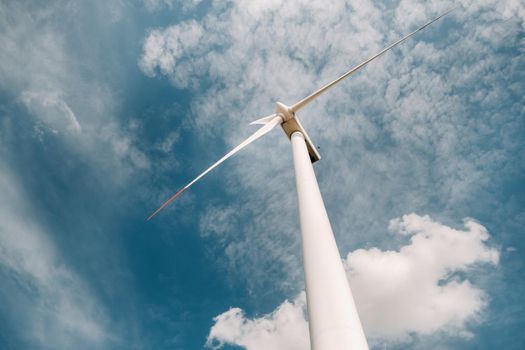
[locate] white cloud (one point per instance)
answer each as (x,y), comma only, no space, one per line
(283,329)
(162,50)
(414,291)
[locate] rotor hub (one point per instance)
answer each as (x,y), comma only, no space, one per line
(284,111)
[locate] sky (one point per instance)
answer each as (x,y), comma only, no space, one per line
(108,107)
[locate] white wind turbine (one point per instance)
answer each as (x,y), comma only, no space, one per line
(333,319)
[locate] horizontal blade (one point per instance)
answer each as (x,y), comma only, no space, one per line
(265,129)
(263,120)
(315,94)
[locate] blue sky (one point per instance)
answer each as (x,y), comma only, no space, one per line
(108,107)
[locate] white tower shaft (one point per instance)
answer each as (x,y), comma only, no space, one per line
(333,320)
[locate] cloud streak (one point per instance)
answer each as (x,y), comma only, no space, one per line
(52,301)
(62,145)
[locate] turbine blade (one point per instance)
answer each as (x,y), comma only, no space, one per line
(263,120)
(297,106)
(262,131)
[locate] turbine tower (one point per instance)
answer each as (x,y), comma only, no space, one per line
(333,319)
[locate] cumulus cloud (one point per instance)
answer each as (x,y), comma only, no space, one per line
(283,329)
(162,49)
(420,289)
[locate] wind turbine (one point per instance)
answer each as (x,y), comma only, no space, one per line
(333,319)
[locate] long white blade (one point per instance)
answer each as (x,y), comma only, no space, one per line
(294,108)
(265,129)
(264,120)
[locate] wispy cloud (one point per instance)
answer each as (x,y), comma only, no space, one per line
(54,305)
(52,109)
(46,76)
(59,111)
(177,5)
(408,133)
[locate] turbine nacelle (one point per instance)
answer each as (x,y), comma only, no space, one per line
(294,125)
(291,124)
